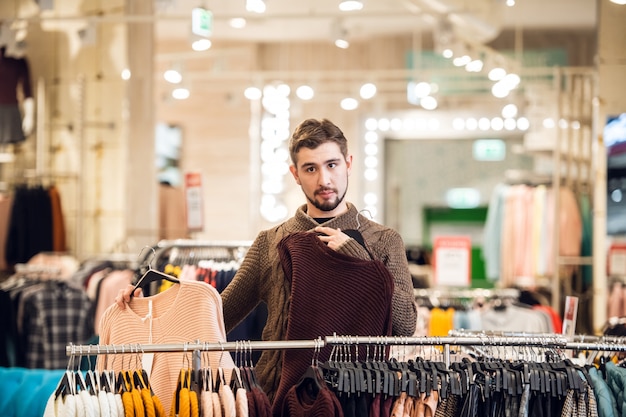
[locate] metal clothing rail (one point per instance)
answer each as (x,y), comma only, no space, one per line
(463,293)
(163,246)
(575,342)
(528,340)
(78,350)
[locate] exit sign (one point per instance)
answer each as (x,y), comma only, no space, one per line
(489,150)
(201,22)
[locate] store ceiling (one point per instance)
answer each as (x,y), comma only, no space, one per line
(306,20)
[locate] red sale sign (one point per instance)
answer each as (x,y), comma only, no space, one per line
(452,260)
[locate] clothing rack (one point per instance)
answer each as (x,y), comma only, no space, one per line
(237,248)
(575,342)
(461,293)
(547,341)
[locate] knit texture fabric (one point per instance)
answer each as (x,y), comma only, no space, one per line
(330,292)
(186,312)
(298,404)
(260,278)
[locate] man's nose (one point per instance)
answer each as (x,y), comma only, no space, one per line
(324,177)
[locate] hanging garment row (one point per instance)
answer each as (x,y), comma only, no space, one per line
(31,221)
(53,300)
(43,311)
(519,233)
(503,309)
(534,377)
(212,262)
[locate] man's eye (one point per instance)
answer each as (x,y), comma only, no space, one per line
(332,165)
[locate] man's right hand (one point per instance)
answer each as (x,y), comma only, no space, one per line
(124,295)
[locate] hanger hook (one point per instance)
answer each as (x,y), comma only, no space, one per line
(369,215)
(151,259)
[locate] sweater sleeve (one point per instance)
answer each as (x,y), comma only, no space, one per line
(242,295)
(404,310)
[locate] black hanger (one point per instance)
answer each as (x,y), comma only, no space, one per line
(312,381)
(152,275)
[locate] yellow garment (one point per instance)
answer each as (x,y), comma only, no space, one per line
(127,400)
(193,403)
(441,321)
(185,400)
(171,270)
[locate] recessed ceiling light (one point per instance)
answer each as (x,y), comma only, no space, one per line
(237,23)
(350,5)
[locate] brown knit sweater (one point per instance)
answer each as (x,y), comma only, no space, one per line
(261,278)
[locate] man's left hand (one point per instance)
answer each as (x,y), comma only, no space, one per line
(334,238)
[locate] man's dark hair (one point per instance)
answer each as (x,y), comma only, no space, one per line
(311,133)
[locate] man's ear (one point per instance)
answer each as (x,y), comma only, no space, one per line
(294,172)
(349,163)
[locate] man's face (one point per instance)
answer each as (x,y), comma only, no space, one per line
(322,173)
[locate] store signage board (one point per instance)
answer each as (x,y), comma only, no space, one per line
(617,260)
(194,203)
(569,316)
(452,261)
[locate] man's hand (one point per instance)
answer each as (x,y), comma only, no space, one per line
(123,296)
(334,238)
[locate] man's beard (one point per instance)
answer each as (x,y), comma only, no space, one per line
(328,205)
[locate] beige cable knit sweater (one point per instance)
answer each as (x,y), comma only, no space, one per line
(261,278)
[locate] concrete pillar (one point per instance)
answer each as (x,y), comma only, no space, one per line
(141,183)
(611,101)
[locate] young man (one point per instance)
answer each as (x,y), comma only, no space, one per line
(321,166)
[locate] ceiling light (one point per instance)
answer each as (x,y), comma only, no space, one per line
(342,43)
(510,124)
(305,92)
(349,103)
(350,5)
(484,123)
(237,23)
(461,61)
(339,35)
(496,74)
(256,6)
(422,89)
(523,123)
(620,2)
(474,66)
(180,93)
(172,76)
(367,91)
(253,93)
(428,102)
(201,45)
(509,111)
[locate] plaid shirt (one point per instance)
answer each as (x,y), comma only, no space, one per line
(55,315)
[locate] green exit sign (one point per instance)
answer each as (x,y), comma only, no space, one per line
(489,150)
(201,22)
